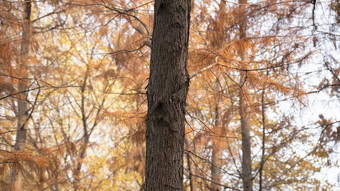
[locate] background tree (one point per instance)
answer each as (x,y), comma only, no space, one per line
(262,67)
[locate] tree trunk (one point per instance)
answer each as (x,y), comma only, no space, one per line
(86,134)
(246,144)
(22,114)
(217,40)
(263,107)
(167,92)
(217,139)
(243,107)
(191,167)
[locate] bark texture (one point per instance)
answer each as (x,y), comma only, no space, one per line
(243,107)
(167,92)
(22,113)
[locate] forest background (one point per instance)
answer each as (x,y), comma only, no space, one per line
(73,81)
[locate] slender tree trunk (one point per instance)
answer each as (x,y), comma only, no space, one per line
(167,92)
(243,107)
(86,136)
(216,156)
(22,113)
(190,165)
(246,144)
(192,184)
(217,40)
(263,137)
(76,172)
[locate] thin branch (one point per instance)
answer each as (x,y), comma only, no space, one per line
(37,88)
(207,179)
(148,43)
(48,14)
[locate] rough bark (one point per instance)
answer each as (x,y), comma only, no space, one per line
(167,92)
(243,107)
(22,113)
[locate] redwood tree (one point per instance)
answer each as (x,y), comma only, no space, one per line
(166,94)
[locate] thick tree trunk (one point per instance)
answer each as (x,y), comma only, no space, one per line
(167,92)
(243,107)
(22,113)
